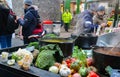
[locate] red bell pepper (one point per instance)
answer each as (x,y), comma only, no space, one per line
(92,74)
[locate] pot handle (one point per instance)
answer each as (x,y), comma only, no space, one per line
(94,46)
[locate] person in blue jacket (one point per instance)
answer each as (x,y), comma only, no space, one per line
(84,22)
(29,21)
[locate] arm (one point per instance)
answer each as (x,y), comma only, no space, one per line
(20,33)
(88,24)
(26,20)
(95,20)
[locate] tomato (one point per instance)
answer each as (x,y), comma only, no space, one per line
(89,61)
(69,64)
(93,74)
(68,61)
(73,60)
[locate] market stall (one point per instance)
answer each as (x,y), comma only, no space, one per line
(58,57)
(50,61)
(88,55)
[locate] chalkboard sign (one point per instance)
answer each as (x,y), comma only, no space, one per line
(115,73)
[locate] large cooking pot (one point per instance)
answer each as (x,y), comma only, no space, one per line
(103,57)
(85,41)
(66,44)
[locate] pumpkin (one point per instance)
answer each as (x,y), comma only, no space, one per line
(54,69)
(65,71)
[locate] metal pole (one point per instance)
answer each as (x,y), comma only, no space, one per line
(63,6)
(116,13)
(78,6)
(85,4)
(67,4)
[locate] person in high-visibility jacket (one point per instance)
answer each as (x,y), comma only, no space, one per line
(66,17)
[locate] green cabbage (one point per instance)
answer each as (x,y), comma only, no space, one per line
(48,55)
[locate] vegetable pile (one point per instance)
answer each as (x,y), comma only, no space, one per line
(23,57)
(50,57)
(76,66)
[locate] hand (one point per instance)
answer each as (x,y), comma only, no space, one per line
(21,37)
(103,24)
(22,16)
(118,24)
(17,17)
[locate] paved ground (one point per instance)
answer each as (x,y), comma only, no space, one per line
(17,42)
(65,34)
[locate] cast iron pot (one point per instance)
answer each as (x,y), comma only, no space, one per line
(85,41)
(103,57)
(66,44)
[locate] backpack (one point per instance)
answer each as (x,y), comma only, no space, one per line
(11,24)
(38,29)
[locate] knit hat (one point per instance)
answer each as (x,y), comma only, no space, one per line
(101,8)
(28,2)
(93,7)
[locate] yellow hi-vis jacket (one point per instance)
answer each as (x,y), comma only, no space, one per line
(66,17)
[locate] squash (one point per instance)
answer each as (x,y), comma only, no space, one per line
(73,71)
(54,69)
(65,71)
(75,66)
(83,71)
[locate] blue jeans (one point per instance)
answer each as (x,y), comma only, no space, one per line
(5,40)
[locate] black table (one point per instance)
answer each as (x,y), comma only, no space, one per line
(16,71)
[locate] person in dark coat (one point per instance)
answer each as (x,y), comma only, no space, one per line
(29,21)
(84,22)
(5,32)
